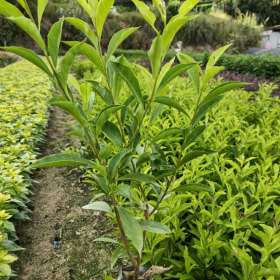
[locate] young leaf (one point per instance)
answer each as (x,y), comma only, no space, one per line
(112,132)
(160,5)
(104,116)
(98,206)
(170,102)
(187,6)
(9,10)
(84,28)
(30,56)
(129,77)
(215,56)
(115,162)
(61,160)
(31,29)
(87,8)
(155,227)
(132,229)
(41,6)
(117,39)
(25,6)
(54,38)
(155,55)
(146,13)
(102,11)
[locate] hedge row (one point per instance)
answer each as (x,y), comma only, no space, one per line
(24,95)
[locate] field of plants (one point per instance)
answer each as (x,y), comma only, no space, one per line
(178,167)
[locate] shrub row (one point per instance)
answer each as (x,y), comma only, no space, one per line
(24,95)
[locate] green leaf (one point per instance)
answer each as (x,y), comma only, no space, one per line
(72,109)
(138,177)
(87,8)
(146,13)
(129,77)
(160,5)
(25,6)
(30,56)
(194,188)
(9,10)
(5,270)
(84,28)
(54,39)
(90,52)
(115,163)
(167,133)
(225,87)
(113,133)
(155,227)
(60,160)
(170,102)
(173,73)
(155,55)
(98,206)
(102,11)
(30,28)
(193,155)
(106,240)
(104,116)
(41,6)
(117,39)
(215,56)
(187,6)
(132,229)
(103,92)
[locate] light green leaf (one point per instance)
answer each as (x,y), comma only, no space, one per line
(132,229)
(30,56)
(54,39)
(87,8)
(60,160)
(155,55)
(215,56)
(187,6)
(30,28)
(84,28)
(102,11)
(160,5)
(98,206)
(9,10)
(117,39)
(41,6)
(25,6)
(146,13)
(104,116)
(170,102)
(155,227)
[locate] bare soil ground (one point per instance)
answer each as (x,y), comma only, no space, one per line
(59,237)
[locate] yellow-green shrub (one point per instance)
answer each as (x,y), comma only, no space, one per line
(24,95)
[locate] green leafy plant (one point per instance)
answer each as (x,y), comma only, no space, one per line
(133,170)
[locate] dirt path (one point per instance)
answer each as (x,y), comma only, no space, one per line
(58,221)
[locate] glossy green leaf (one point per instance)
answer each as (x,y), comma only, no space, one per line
(30,56)
(132,229)
(193,155)
(98,206)
(138,177)
(146,12)
(9,10)
(173,73)
(112,132)
(170,102)
(85,28)
(115,163)
(41,6)
(31,29)
(70,159)
(104,116)
(117,39)
(102,11)
(129,77)
(155,227)
(54,39)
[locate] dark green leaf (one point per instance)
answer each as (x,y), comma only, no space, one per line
(103,92)
(115,163)
(138,177)
(113,133)
(192,134)
(193,155)
(155,227)
(166,133)
(194,188)
(170,102)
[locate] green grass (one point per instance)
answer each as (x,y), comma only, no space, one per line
(24,95)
